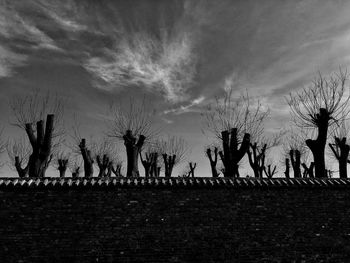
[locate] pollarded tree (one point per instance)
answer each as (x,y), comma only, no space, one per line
(270,169)
(74,166)
(173,150)
(44,136)
(259,149)
(294,151)
(340,149)
(149,158)
(84,148)
(233,121)
(18,151)
(212,154)
(318,107)
(132,125)
(62,162)
(106,155)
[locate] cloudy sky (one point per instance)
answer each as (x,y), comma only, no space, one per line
(180,54)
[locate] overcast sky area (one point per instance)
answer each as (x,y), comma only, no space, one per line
(179,54)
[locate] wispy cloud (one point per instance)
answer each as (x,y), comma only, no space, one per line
(186,108)
(166,65)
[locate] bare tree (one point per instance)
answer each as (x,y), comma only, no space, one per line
(320,106)
(192,168)
(132,125)
(234,121)
(213,160)
(18,151)
(295,151)
(74,166)
(45,136)
(340,148)
(87,158)
(105,154)
(62,162)
(270,169)
(173,150)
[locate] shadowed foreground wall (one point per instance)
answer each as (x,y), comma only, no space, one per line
(178,223)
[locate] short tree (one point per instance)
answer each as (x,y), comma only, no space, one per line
(173,150)
(18,152)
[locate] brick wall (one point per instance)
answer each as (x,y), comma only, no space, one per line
(174,224)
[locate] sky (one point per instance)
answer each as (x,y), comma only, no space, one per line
(178,54)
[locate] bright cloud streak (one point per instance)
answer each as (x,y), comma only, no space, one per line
(166,65)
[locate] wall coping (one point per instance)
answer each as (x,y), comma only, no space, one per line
(175,182)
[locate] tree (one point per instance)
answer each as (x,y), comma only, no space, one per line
(150,160)
(87,158)
(74,167)
(106,155)
(318,107)
(213,160)
(45,135)
(340,149)
(270,169)
(173,150)
(234,121)
(296,152)
(62,163)
(132,125)
(192,168)
(18,151)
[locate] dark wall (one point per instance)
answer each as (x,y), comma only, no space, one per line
(174,224)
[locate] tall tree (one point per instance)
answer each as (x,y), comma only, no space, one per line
(29,113)
(133,125)
(234,121)
(320,106)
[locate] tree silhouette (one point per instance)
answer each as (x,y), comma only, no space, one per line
(132,125)
(320,106)
(173,150)
(233,121)
(74,167)
(213,160)
(106,155)
(62,163)
(294,150)
(44,136)
(18,151)
(340,149)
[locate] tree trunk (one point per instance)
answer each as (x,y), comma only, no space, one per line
(341,155)
(133,149)
(231,155)
(317,146)
(286,172)
(169,162)
(295,158)
(22,172)
(87,158)
(40,157)
(213,161)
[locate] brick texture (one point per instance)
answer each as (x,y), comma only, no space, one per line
(150,224)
